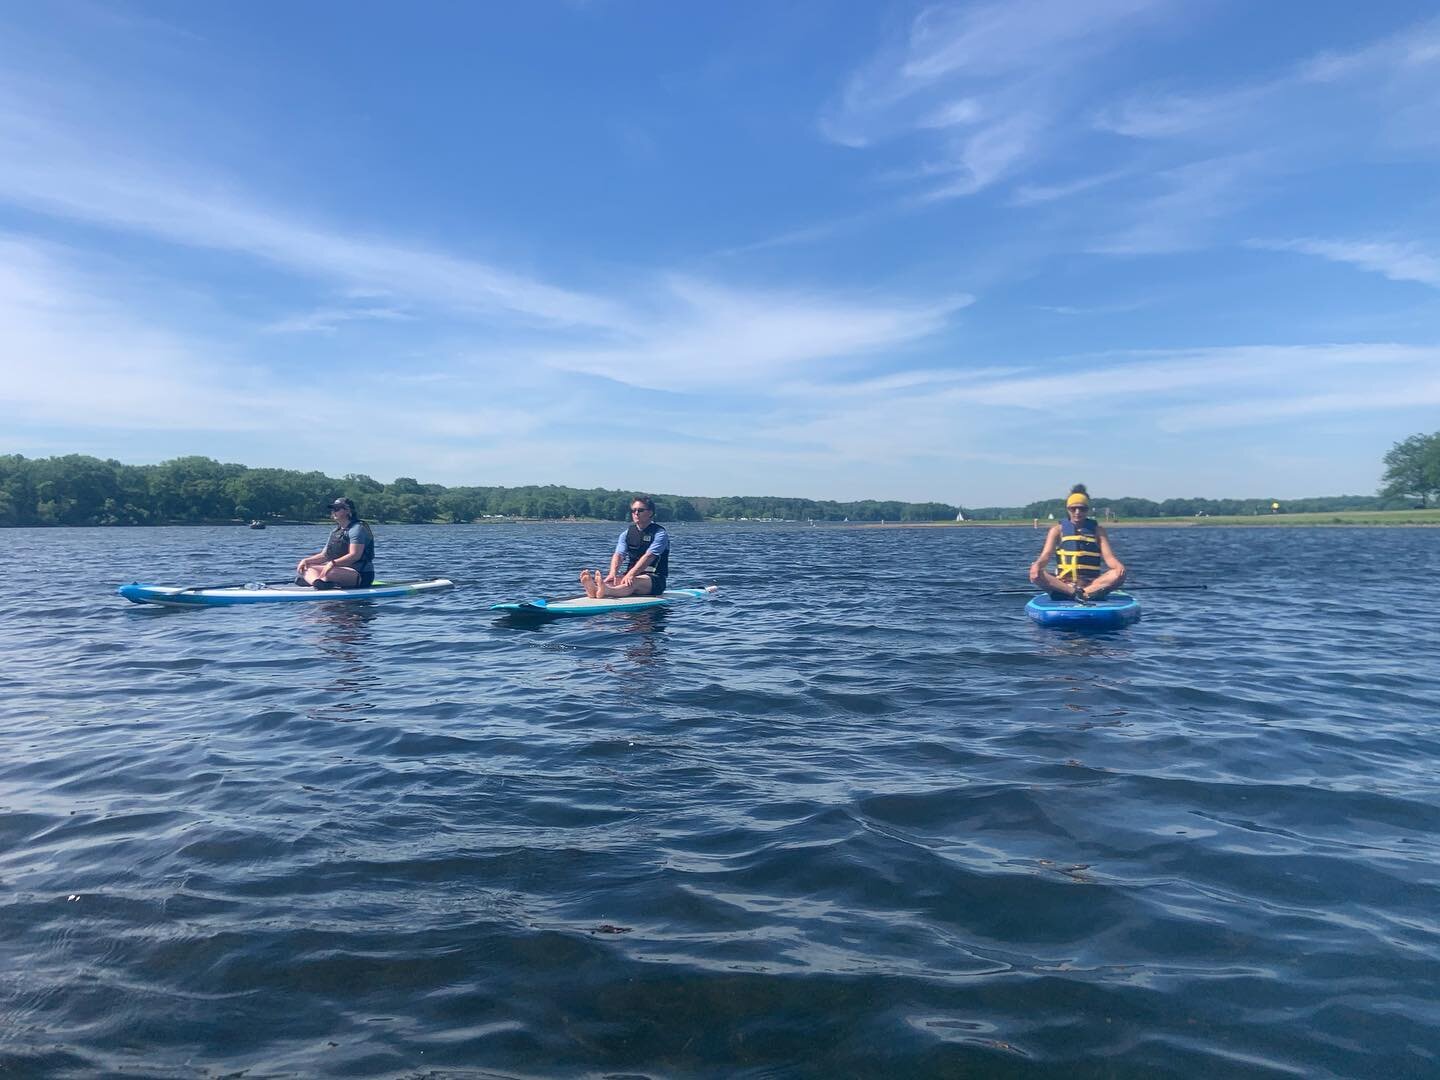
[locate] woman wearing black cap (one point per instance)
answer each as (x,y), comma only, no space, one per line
(348,559)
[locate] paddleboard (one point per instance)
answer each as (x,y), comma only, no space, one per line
(177,596)
(1111,610)
(585,605)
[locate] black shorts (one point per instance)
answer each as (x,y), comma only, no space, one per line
(1084,584)
(657,584)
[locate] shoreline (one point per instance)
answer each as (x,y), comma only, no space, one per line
(1374,519)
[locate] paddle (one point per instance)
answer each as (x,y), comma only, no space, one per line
(1123,588)
(232,585)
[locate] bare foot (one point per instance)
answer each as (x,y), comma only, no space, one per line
(586,583)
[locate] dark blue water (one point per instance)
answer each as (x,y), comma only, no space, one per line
(856,817)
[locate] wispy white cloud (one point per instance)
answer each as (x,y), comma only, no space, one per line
(73,358)
(987,416)
(1192,199)
(1034,194)
(656,329)
(709,336)
(1165,115)
(994,93)
(1396,260)
(1229,146)
(1420,390)
(52,164)
(327,320)
(1330,97)
(1218,386)
(991,82)
(1104,310)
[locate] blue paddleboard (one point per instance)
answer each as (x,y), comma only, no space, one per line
(584,605)
(225,595)
(1110,611)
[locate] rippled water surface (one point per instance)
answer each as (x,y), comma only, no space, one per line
(855,817)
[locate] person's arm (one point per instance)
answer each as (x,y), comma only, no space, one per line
(612,578)
(309,561)
(350,558)
(1106,552)
(1052,538)
(639,567)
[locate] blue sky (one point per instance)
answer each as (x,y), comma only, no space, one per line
(970,253)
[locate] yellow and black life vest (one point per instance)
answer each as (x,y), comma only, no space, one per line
(1078,551)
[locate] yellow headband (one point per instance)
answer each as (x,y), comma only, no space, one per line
(1077,500)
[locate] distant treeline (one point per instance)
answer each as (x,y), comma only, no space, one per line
(80,490)
(1124,508)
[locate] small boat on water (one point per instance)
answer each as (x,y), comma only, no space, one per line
(257,524)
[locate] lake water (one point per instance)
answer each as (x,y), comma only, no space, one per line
(855,817)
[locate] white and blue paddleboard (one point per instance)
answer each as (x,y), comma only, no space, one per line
(585,605)
(223,595)
(1112,610)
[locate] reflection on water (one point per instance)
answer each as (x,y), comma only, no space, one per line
(341,626)
(341,636)
(644,632)
(641,632)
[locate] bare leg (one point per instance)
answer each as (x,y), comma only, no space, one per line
(340,577)
(1111,579)
(639,587)
(343,577)
(1055,586)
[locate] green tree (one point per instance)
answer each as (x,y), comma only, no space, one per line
(1412,468)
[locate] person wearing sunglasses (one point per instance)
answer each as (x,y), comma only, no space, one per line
(347,560)
(645,546)
(1085,566)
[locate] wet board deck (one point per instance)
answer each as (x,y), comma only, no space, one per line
(584,605)
(227,595)
(1112,610)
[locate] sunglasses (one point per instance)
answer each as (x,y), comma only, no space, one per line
(639,509)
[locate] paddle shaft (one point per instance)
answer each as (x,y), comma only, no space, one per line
(232,585)
(1124,588)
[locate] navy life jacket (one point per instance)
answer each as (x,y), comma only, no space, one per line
(637,542)
(1078,551)
(339,544)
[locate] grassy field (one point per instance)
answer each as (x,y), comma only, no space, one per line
(1331,517)
(1326,518)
